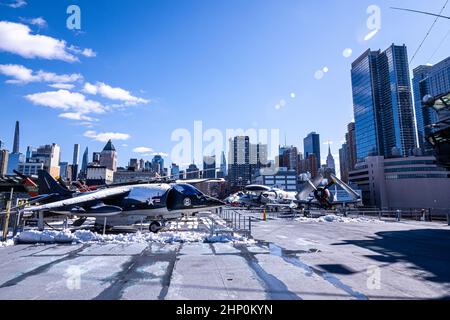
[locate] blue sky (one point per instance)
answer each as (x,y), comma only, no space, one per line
(156,66)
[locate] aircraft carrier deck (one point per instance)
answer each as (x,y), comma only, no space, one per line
(289,259)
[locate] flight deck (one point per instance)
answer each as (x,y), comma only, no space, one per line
(288,259)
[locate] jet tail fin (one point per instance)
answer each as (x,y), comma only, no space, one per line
(28,184)
(48,185)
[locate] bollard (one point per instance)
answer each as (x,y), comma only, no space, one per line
(264,215)
(448,219)
(399,215)
(41,221)
(212,226)
(104,227)
(6,221)
(17,226)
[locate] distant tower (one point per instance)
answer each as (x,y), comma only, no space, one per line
(312,146)
(16,146)
(76,154)
(223,165)
(29,154)
(158,164)
(85,163)
(108,157)
(330,159)
(75,161)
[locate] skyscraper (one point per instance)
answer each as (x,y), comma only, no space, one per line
(76,154)
(84,163)
(288,157)
(222,173)
(350,140)
(175,171)
(239,169)
(96,157)
(49,155)
(16,146)
(429,80)
(4,156)
(192,172)
(258,156)
(330,160)
(133,164)
(311,165)
(29,153)
(344,162)
(311,145)
(75,162)
(15,159)
(382,101)
(209,167)
(108,157)
(158,164)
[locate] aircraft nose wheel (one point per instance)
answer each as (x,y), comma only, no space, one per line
(155,226)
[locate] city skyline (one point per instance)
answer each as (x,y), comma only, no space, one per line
(289,91)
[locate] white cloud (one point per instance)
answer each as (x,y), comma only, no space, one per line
(66,86)
(89,53)
(142,150)
(15,4)
(106,136)
(162,154)
(17,38)
(40,22)
(72,102)
(90,88)
(111,93)
(19,73)
(23,75)
(76,116)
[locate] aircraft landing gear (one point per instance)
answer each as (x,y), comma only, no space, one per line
(155,226)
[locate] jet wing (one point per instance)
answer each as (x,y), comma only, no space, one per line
(197,181)
(302,196)
(346,187)
(80,200)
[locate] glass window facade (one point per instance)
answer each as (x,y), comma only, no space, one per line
(383,108)
(364,86)
(435,81)
(311,145)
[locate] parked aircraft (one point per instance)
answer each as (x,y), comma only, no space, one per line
(123,204)
(127,205)
(312,195)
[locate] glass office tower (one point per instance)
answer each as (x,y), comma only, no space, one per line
(429,80)
(311,145)
(382,100)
